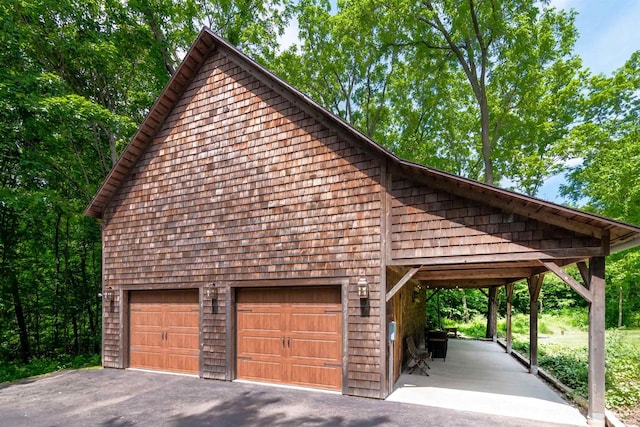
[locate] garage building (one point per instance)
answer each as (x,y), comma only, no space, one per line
(248,233)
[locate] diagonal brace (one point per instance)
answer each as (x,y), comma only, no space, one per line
(407,276)
(573,283)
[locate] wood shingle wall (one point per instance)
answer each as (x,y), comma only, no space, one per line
(430,223)
(242,185)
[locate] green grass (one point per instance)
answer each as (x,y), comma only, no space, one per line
(11,371)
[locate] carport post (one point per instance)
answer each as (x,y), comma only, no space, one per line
(595,413)
(535,283)
(509,289)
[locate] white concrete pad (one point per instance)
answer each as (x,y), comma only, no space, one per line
(479,376)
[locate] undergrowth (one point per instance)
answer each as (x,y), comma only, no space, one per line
(11,371)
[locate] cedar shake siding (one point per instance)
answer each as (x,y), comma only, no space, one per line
(241,185)
(431,223)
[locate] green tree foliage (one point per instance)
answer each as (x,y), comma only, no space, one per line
(483,89)
(76,78)
(607,179)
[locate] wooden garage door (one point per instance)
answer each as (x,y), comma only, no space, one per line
(164,330)
(290,336)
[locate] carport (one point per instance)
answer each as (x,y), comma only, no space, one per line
(480,377)
(479,236)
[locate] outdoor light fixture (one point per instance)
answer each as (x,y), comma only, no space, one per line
(363,288)
(212,293)
(108,293)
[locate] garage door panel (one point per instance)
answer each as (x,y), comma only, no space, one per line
(256,346)
(320,350)
(149,315)
(185,363)
(142,357)
(254,320)
(260,370)
(182,341)
(185,321)
(164,330)
(140,337)
(310,322)
(315,323)
(307,375)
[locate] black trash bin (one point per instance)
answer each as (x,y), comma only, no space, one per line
(437,344)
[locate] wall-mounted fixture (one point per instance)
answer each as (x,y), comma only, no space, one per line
(108,293)
(363,288)
(211,292)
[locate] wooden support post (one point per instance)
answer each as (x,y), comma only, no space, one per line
(535,283)
(509,290)
(492,314)
(595,413)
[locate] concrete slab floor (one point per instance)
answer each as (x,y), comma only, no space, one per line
(479,376)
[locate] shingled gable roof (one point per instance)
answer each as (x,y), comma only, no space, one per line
(623,236)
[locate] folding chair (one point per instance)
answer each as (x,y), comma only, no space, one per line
(419,357)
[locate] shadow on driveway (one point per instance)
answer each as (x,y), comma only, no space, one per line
(122,398)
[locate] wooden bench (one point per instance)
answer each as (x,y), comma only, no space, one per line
(453,331)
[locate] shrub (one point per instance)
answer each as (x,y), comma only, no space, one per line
(569,365)
(11,371)
(623,371)
(476,328)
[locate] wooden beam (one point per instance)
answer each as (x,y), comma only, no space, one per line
(605,240)
(584,272)
(492,314)
(573,283)
(535,284)
(482,265)
(509,290)
(467,283)
(550,254)
(473,274)
(484,292)
(595,412)
(403,281)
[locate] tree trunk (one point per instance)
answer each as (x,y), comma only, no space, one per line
(56,294)
(492,313)
(620,309)
(439,316)
(487,152)
(25,352)
(465,309)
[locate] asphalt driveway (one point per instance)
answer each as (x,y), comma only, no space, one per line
(112,397)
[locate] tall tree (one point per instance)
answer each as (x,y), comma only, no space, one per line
(76,77)
(606,144)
